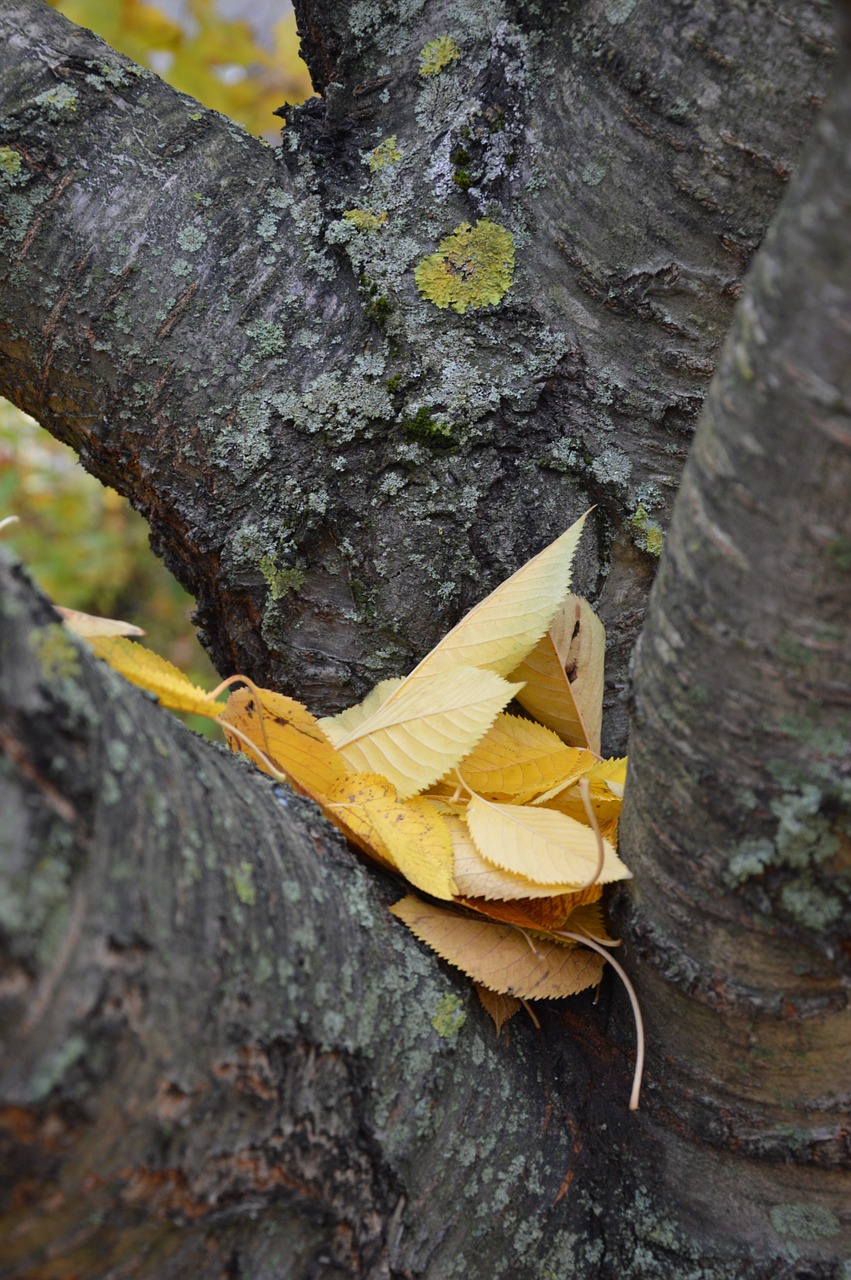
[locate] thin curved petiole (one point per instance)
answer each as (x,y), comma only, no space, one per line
(636,1011)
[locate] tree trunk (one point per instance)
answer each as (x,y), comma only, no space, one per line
(334,466)
(738,815)
(227,1058)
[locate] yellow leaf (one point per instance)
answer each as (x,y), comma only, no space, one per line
(147,669)
(478,878)
(519,758)
(87,625)
(501,1008)
(288,734)
(500,957)
(564,675)
(424,729)
(409,835)
(507,624)
(541,844)
(612,773)
(603,798)
(589,919)
(345,722)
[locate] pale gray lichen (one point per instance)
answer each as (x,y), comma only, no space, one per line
(804,1221)
(61,99)
(191,239)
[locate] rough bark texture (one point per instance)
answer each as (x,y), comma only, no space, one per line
(335,467)
(227,1059)
(738,820)
(224,1057)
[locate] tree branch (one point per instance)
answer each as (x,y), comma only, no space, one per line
(335,467)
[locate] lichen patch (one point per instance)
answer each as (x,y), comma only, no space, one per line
(437,54)
(473,267)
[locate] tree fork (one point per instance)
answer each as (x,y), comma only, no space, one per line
(335,467)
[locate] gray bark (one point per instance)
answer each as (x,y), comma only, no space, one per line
(227,1058)
(193,313)
(738,813)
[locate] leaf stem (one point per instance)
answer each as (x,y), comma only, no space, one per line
(585,792)
(226,684)
(636,1010)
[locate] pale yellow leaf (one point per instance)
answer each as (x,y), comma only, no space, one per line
(500,957)
(519,758)
(502,628)
(563,675)
(147,669)
(478,878)
(501,1008)
(611,773)
(540,843)
(345,722)
(289,736)
(409,835)
(425,728)
(87,625)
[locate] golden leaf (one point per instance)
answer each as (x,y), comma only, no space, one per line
(424,729)
(289,735)
(563,675)
(478,878)
(588,918)
(507,624)
(611,773)
(519,758)
(409,835)
(541,844)
(538,915)
(500,957)
(87,625)
(147,669)
(501,1008)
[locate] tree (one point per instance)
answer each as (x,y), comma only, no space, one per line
(225,1058)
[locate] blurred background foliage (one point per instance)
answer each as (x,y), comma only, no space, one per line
(82,543)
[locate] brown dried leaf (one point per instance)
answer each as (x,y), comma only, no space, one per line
(500,957)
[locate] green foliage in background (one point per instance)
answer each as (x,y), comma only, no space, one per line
(85,546)
(216,60)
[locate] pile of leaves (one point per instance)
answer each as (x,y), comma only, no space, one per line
(507,824)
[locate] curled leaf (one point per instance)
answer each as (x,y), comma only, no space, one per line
(563,675)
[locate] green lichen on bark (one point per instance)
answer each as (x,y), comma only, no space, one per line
(56,653)
(280,581)
(437,54)
(647,533)
(449,1016)
(473,267)
(386,153)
